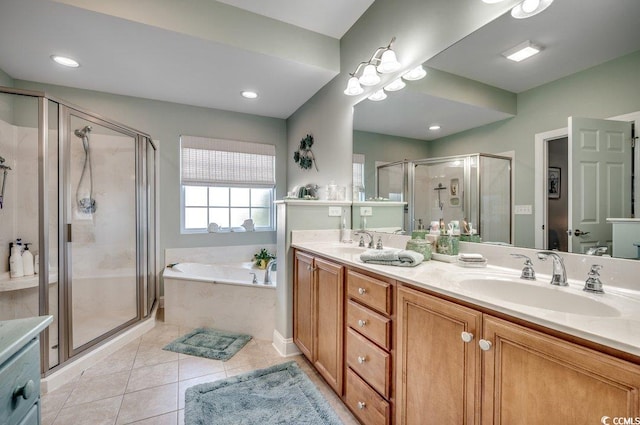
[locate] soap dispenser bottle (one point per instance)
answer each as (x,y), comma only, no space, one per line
(16,267)
(27,260)
(420,232)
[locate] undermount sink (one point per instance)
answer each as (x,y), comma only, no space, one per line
(544,297)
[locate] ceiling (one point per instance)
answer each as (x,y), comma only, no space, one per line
(203,55)
(576,35)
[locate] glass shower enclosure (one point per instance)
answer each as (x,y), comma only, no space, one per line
(82,191)
(473,188)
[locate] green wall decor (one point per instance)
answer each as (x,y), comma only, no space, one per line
(304,155)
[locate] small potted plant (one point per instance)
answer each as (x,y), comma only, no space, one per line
(262,257)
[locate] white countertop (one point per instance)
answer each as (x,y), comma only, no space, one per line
(14,334)
(621,332)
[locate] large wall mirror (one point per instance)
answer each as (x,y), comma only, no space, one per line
(589,67)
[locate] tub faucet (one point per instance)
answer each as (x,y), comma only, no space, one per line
(267,273)
(559,277)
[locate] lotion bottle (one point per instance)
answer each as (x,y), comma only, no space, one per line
(16,266)
(27,260)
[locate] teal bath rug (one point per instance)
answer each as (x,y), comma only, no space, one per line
(280,394)
(209,343)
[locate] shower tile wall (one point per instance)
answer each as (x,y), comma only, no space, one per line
(426,198)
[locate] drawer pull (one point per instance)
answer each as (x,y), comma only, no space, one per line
(362,291)
(362,405)
(466,336)
(25,391)
(362,359)
(484,345)
(362,323)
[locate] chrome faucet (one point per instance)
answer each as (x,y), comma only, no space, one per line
(364,232)
(559,277)
(267,273)
(597,250)
(527,271)
(593,283)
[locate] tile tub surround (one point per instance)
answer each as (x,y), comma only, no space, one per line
(214,254)
(621,333)
(246,309)
(141,383)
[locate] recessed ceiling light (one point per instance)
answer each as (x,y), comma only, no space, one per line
(249,94)
(522,51)
(65,61)
(434,127)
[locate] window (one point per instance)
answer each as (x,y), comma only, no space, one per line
(358,177)
(226,182)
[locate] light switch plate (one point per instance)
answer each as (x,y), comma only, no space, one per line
(366,211)
(523,210)
(335,211)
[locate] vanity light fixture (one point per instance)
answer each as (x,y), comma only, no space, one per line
(395,85)
(526,8)
(415,74)
(65,61)
(434,127)
(522,51)
(249,94)
(378,96)
(529,8)
(382,61)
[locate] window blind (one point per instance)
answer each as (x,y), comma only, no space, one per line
(358,170)
(217,162)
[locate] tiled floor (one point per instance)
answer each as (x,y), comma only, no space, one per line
(143,384)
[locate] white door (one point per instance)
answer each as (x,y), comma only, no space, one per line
(599,183)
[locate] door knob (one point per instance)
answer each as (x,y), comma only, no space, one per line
(578,232)
(466,336)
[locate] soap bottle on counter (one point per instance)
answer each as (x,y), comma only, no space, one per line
(16,266)
(27,260)
(420,232)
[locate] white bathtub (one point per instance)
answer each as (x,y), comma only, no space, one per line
(232,274)
(220,296)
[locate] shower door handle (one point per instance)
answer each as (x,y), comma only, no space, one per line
(69,238)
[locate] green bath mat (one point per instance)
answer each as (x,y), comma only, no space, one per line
(209,343)
(280,394)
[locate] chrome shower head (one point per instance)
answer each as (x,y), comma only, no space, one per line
(82,132)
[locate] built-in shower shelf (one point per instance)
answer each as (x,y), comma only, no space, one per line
(17,283)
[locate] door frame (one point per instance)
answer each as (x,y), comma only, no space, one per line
(540,175)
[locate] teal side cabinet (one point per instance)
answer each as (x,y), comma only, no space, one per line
(20,370)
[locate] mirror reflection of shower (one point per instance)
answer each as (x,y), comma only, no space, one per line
(84,192)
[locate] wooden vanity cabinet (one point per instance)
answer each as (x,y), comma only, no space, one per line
(368,356)
(437,373)
(505,374)
(536,379)
(318,306)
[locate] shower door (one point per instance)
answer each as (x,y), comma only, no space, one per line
(100,237)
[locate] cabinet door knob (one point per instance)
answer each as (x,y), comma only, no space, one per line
(362,323)
(466,336)
(362,291)
(362,359)
(25,391)
(362,405)
(484,345)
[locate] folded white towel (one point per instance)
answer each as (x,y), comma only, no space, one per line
(392,257)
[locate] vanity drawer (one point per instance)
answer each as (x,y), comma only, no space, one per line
(365,403)
(370,324)
(371,292)
(22,371)
(370,362)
